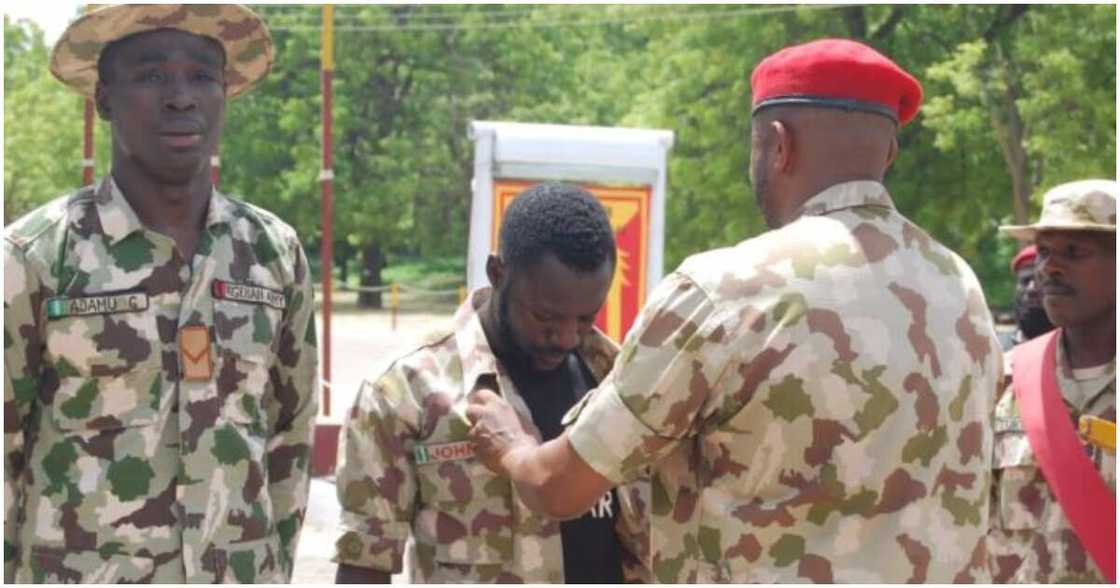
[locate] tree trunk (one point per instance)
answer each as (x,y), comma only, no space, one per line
(1011,135)
(1006,120)
(342,256)
(373,260)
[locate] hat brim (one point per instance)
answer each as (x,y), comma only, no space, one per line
(243,35)
(1028,232)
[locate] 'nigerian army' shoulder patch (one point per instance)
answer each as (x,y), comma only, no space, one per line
(103,303)
(443,452)
(249,293)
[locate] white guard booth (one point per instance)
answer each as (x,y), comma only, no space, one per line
(624,168)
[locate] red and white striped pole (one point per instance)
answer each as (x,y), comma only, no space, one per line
(326,177)
(87,145)
(87,132)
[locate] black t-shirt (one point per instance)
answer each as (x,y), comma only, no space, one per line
(591,549)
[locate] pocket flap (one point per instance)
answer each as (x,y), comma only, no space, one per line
(51,565)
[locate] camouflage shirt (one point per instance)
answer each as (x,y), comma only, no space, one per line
(815,403)
(404,469)
(118,468)
(1031,541)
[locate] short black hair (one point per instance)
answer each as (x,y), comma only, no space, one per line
(109,54)
(557,218)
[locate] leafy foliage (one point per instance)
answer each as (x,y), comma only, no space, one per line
(1036,82)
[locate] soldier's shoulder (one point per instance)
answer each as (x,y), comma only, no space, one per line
(418,354)
(263,220)
(708,267)
(35,225)
(714,268)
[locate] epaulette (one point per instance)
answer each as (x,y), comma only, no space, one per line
(33,224)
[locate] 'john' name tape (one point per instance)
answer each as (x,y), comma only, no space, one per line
(249,293)
(108,303)
(443,452)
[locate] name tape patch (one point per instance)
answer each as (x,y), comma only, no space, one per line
(443,452)
(249,293)
(110,303)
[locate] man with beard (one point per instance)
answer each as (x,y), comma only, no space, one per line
(406,466)
(813,402)
(1053,502)
(159,337)
(1030,316)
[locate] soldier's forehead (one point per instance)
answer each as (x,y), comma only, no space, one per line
(155,45)
(1093,238)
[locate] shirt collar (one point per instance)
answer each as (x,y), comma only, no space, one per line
(477,357)
(119,220)
(847,195)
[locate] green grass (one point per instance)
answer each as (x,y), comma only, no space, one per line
(434,273)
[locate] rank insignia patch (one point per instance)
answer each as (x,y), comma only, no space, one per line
(194,351)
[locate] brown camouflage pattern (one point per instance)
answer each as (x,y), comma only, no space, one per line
(115,470)
(1031,540)
(243,35)
(468,524)
(1084,205)
(814,403)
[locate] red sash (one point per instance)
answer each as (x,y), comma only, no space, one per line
(1086,500)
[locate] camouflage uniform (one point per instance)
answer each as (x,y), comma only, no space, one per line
(466,522)
(815,403)
(1031,541)
(116,469)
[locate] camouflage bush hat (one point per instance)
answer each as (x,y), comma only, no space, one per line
(243,35)
(1087,205)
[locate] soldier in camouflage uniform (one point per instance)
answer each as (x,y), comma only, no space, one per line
(1031,539)
(814,401)
(406,467)
(159,339)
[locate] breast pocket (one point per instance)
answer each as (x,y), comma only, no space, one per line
(108,368)
(247,337)
(1022,497)
(466,513)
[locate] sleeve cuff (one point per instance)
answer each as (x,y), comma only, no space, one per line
(610,438)
(383,551)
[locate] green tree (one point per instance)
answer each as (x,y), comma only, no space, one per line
(42,125)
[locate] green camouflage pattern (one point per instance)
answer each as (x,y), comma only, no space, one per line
(467,523)
(115,470)
(1084,205)
(814,403)
(243,35)
(1031,540)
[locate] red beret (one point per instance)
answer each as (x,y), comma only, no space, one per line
(836,73)
(1025,255)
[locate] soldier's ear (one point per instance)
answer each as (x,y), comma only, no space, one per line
(783,156)
(101,100)
(891,153)
(495,271)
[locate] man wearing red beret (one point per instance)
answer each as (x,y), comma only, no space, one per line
(1030,316)
(813,402)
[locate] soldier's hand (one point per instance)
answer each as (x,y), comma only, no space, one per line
(496,429)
